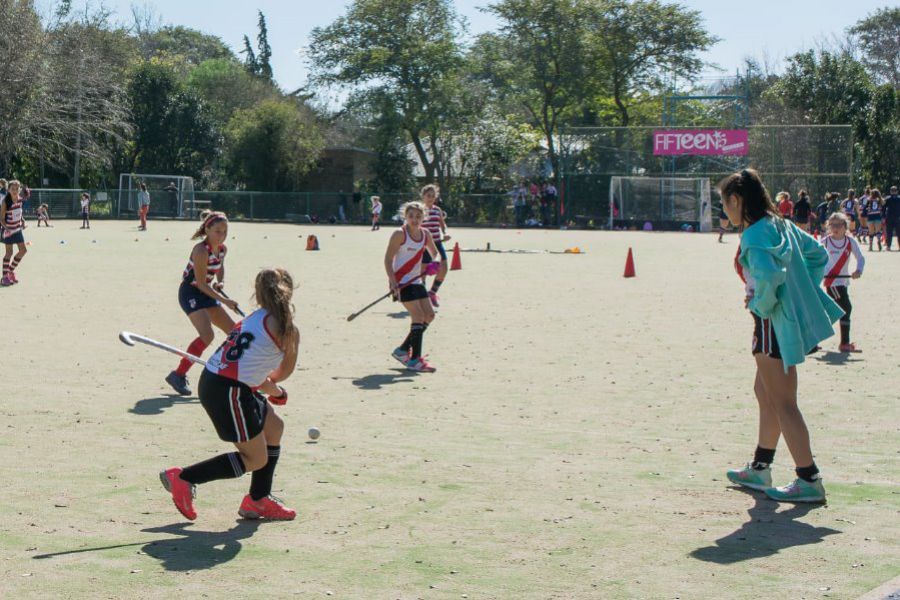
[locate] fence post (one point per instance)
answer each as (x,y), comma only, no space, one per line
(307,205)
(251,206)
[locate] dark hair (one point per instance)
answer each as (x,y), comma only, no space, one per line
(143,187)
(210,218)
(803,194)
(749,187)
(274,289)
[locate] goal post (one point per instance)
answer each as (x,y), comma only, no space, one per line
(170,195)
(667,203)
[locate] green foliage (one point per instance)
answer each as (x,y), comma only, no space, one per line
(879,39)
(227,87)
(191,45)
(174,132)
(405,51)
(271,146)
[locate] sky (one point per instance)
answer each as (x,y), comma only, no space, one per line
(766,28)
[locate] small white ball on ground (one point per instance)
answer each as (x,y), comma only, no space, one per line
(314,433)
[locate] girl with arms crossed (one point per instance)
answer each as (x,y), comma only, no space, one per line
(260,352)
(782,267)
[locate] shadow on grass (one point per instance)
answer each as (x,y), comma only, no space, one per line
(398,315)
(156,406)
(193,551)
(836,358)
(379,380)
(766,533)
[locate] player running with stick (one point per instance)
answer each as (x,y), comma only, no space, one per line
(403,264)
(782,267)
(199,297)
(260,352)
(837,272)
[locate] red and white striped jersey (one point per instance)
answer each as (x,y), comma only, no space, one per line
(432,222)
(213,265)
(837,271)
(749,282)
(249,353)
(13,221)
(408,259)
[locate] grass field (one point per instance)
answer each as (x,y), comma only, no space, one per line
(572,444)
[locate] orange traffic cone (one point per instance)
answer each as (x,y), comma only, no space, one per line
(456,263)
(629,265)
(312,243)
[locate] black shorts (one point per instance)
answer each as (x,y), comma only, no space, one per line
(16,238)
(426,258)
(764,340)
(191,299)
(413,292)
(237,412)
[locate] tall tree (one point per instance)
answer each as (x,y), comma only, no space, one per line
(537,61)
(264,56)
(251,63)
(405,52)
(636,44)
(879,40)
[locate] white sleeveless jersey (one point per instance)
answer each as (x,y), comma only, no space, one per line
(837,271)
(408,260)
(249,354)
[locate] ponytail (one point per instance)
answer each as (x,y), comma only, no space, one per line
(274,290)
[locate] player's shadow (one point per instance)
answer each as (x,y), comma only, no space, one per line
(836,358)
(379,380)
(156,406)
(398,315)
(767,532)
(193,551)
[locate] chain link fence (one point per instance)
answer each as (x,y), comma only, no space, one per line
(817,158)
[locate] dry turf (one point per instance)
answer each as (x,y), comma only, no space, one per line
(572,444)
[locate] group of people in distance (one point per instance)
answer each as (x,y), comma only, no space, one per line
(873,217)
(239,387)
(534,203)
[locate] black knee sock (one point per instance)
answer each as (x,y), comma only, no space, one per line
(418,329)
(762,458)
(223,466)
(810,473)
(845,333)
(261,480)
(407,343)
(436,285)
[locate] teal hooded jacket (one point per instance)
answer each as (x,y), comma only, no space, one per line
(788,265)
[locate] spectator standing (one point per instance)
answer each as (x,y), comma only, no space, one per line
(892,218)
(143,206)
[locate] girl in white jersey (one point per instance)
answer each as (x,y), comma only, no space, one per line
(837,272)
(376,213)
(200,294)
(260,352)
(403,264)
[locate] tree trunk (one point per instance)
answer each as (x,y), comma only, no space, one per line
(428,165)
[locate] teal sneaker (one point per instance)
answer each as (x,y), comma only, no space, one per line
(799,490)
(751,478)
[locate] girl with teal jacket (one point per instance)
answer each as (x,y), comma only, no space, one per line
(782,267)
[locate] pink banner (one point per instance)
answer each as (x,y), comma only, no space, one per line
(672,142)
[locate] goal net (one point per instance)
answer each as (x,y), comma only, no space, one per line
(170,195)
(666,203)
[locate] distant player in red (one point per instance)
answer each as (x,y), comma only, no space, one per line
(260,352)
(403,263)
(785,205)
(12,222)
(200,293)
(837,272)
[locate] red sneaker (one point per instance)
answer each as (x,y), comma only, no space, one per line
(848,348)
(12,277)
(183,493)
(269,508)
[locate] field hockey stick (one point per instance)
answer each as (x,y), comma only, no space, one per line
(373,303)
(236,308)
(129,339)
